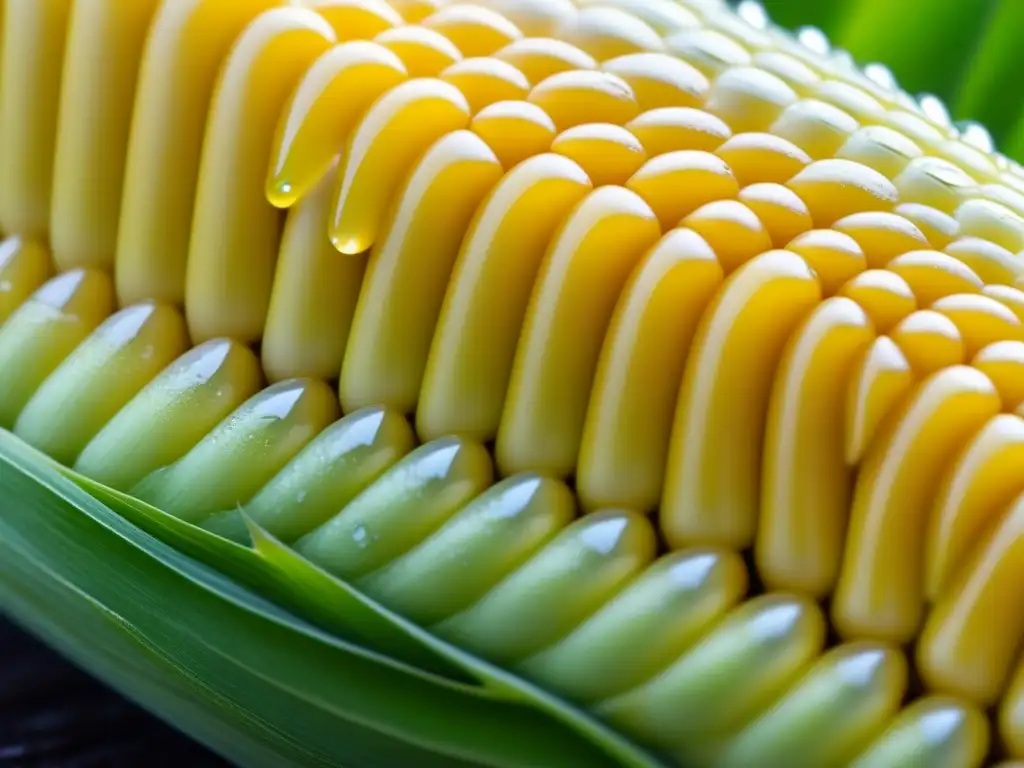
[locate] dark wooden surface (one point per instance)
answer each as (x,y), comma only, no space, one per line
(54,716)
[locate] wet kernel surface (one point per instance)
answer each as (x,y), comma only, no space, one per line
(648,353)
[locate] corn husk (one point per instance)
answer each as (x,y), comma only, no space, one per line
(253,651)
(270,661)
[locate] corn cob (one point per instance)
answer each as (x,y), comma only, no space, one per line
(531,320)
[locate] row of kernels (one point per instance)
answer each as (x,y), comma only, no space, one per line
(625,706)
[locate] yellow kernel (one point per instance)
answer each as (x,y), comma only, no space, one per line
(790,69)
(105,42)
(883,236)
(424,52)
(709,51)
(962,651)
(659,80)
(734,232)
(541,57)
(606,32)
(235,234)
(929,341)
(807,483)
(991,262)
(833,189)
(321,112)
(974,161)
(857,103)
(836,258)
(935,182)
(674,128)
(585,96)
(677,183)
(1011,297)
(817,127)
(414,11)
(932,275)
(514,130)
(627,429)
(914,127)
(357,19)
(879,384)
(608,154)
(781,211)
(1003,195)
(881,148)
(34,42)
(991,221)
(393,133)
(937,226)
(313,296)
(188,42)
(476,31)
(723,403)
(981,320)
(880,593)
(762,157)
(749,99)
(486,80)
(419,241)
(664,16)
(573,300)
(487,296)
(534,18)
(975,491)
(884,295)
(1003,363)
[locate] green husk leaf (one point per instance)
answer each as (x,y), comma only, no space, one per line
(316,585)
(823,14)
(986,92)
(276,570)
(926,43)
(347,616)
(251,680)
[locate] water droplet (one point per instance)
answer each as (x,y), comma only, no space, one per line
(361,537)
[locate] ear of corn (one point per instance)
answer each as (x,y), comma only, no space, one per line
(322,321)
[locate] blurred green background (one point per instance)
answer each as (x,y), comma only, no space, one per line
(970,53)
